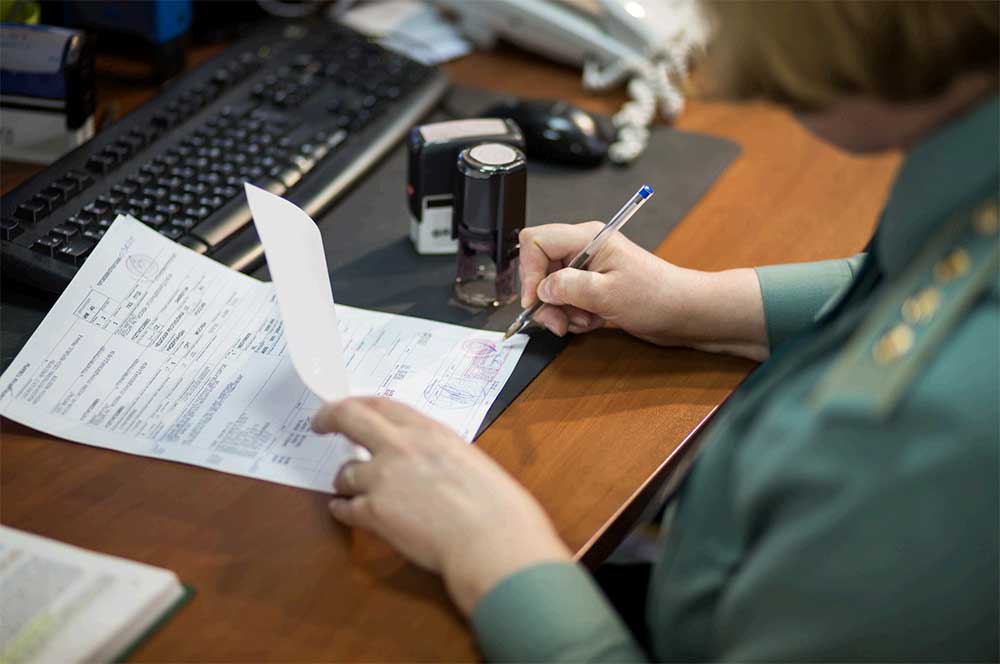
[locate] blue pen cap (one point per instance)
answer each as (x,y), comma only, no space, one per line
(646,191)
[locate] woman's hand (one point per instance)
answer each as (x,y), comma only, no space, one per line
(624,283)
(442,502)
(644,295)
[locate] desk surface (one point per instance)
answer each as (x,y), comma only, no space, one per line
(278,580)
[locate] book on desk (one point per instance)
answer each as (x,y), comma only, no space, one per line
(61,603)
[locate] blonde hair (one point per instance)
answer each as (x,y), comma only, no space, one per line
(805,54)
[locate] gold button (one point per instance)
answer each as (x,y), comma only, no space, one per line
(894,344)
(921,307)
(986,218)
(952,266)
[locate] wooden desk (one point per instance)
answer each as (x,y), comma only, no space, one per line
(278,580)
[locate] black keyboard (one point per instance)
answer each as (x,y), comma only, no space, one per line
(300,109)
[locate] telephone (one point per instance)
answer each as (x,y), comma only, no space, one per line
(647,43)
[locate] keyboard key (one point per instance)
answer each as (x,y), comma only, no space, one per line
(142,178)
(97,208)
(390,92)
(298,137)
(209,153)
(181,198)
(32,210)
(157,193)
(186,223)
(120,149)
(141,203)
(126,188)
(232,216)
(137,139)
(224,143)
(153,169)
(9,228)
(56,193)
(65,231)
(172,232)
(164,119)
(149,133)
(222,76)
(94,234)
(199,212)
(183,172)
(211,202)
(194,142)
(253,174)
(171,182)
(234,111)
(102,163)
(47,245)
(155,220)
(81,219)
(66,187)
(75,251)
(361,118)
(209,179)
(226,191)
(243,252)
(287,175)
(110,199)
(336,138)
(169,209)
(52,196)
(303,164)
(81,179)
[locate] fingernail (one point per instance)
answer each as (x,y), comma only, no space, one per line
(554,330)
(580,320)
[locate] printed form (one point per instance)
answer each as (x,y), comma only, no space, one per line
(158,351)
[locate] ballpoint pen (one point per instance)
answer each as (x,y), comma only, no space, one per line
(583,258)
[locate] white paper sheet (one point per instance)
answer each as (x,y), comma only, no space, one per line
(410,27)
(294,249)
(156,350)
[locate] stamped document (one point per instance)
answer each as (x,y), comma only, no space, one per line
(156,350)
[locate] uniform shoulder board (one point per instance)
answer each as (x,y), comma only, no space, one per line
(912,319)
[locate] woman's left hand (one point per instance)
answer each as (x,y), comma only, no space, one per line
(442,502)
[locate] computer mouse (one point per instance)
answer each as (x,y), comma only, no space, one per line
(555,131)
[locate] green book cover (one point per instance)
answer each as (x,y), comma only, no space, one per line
(189,593)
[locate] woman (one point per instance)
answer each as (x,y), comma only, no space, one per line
(845,505)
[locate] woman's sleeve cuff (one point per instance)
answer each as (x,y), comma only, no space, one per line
(551,612)
(795,292)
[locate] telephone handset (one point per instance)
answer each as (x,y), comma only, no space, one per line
(645,42)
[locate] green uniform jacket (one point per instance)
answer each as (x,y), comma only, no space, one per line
(845,506)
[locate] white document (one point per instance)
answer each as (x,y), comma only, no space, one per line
(156,350)
(60,603)
(410,27)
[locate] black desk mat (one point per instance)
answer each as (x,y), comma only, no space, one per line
(373,264)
